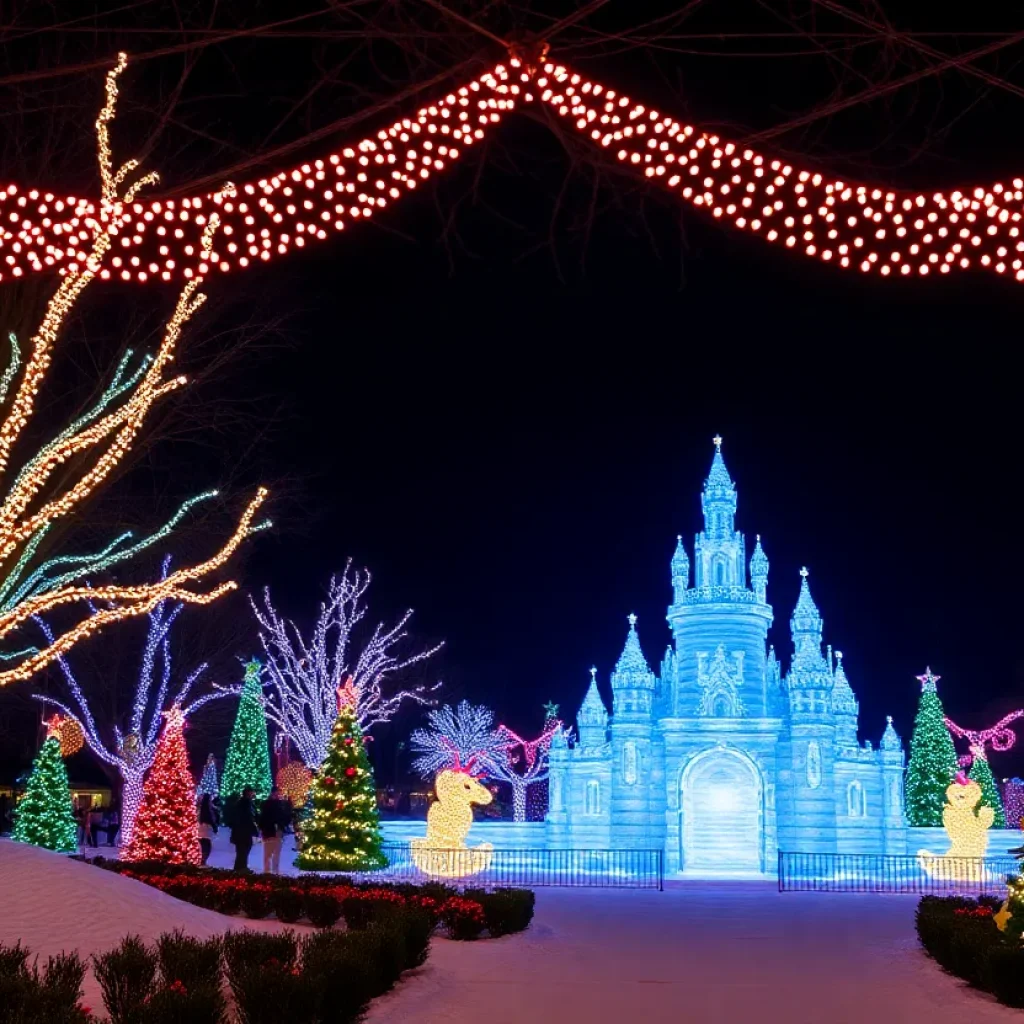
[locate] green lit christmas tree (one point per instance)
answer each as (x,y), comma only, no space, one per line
(933,762)
(248,760)
(981,773)
(44,816)
(343,831)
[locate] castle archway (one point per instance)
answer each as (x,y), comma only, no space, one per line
(722,809)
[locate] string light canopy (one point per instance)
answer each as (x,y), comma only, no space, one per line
(850,225)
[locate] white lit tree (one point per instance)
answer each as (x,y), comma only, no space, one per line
(304,673)
(454,735)
(129,746)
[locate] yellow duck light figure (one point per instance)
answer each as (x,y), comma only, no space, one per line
(967,827)
(443,852)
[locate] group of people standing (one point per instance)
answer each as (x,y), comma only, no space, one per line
(92,820)
(271,821)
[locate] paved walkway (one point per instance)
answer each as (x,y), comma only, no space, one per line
(699,953)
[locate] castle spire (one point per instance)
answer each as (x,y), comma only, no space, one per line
(680,570)
(719,498)
(759,571)
(632,681)
(592,717)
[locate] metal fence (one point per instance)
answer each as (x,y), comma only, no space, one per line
(924,873)
(607,869)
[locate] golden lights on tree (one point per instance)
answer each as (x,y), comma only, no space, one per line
(94,445)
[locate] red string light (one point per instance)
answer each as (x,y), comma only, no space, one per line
(845,224)
(167,826)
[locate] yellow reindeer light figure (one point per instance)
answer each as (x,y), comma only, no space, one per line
(443,851)
(967,827)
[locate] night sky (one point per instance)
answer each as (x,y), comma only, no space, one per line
(511,429)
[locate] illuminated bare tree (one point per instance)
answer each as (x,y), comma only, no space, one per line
(454,735)
(304,674)
(53,484)
(129,746)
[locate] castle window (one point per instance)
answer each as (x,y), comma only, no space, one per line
(718,571)
(856,800)
(593,797)
(629,763)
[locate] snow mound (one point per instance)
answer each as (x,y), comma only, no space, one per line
(54,904)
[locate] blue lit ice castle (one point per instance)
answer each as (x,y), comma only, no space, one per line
(722,758)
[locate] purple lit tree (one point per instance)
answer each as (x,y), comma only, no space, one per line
(129,746)
(304,674)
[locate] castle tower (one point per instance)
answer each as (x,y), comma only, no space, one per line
(844,706)
(680,570)
(807,756)
(635,769)
(759,572)
(592,718)
(894,822)
(720,626)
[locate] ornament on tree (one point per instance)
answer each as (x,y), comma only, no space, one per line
(294,780)
(167,825)
(45,815)
(248,760)
(443,851)
(933,762)
(343,831)
(208,783)
(69,733)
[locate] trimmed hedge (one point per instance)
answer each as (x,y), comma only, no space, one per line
(327,977)
(961,936)
(324,900)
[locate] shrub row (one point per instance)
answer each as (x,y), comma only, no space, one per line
(328,977)
(324,900)
(961,936)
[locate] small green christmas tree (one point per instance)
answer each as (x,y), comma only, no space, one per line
(44,816)
(248,760)
(933,763)
(343,832)
(981,773)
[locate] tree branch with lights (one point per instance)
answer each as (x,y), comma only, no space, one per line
(131,749)
(304,673)
(53,485)
(454,735)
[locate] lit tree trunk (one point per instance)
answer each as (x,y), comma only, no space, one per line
(131,798)
(518,797)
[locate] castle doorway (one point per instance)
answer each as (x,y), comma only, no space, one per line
(721,803)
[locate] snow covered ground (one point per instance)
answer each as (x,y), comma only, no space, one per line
(52,904)
(699,953)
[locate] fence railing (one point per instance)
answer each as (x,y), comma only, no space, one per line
(490,868)
(924,873)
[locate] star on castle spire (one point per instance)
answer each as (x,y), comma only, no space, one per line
(631,618)
(717,441)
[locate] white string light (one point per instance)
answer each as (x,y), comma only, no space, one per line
(305,674)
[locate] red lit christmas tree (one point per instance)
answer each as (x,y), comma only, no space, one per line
(167,828)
